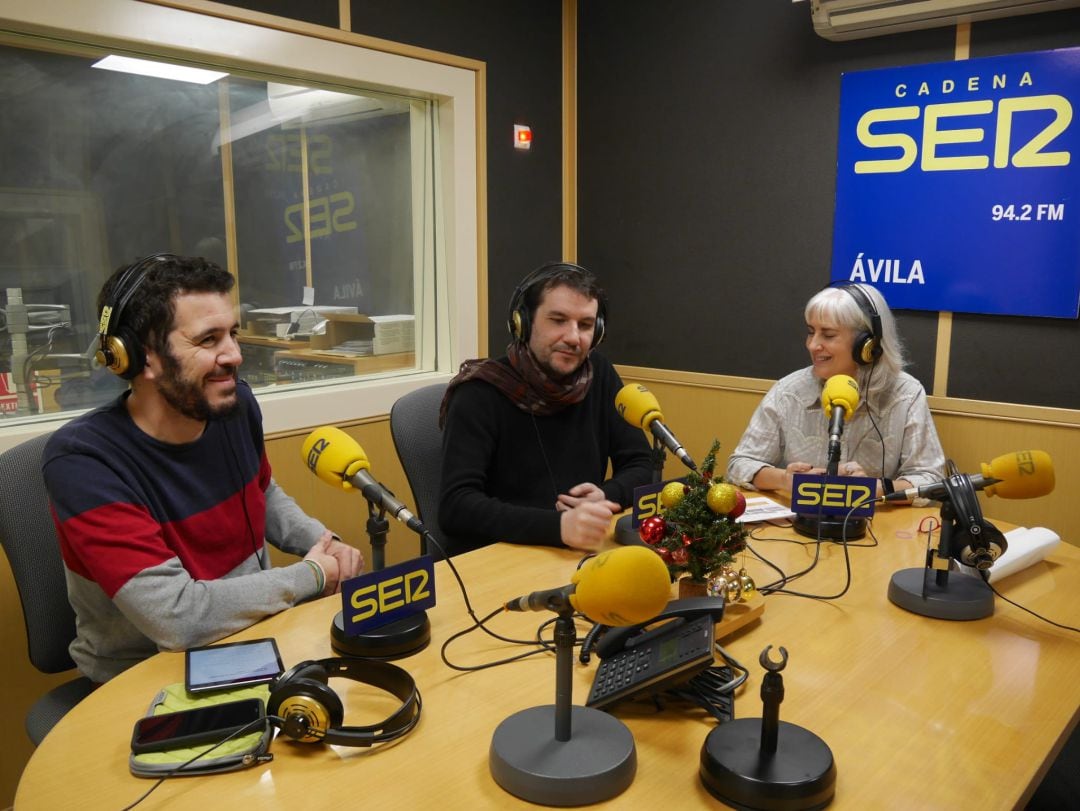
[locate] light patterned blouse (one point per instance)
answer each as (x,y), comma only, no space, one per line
(790,426)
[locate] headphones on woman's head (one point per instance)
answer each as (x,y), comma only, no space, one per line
(867,347)
(312,712)
(519,321)
(119,349)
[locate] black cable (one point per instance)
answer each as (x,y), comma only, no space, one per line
(779,586)
(1022,608)
(712,689)
(870,414)
(543,645)
(241,731)
(263,563)
(543,455)
(479,623)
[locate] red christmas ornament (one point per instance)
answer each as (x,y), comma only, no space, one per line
(652,530)
(687,539)
(740,506)
(680,556)
(664,552)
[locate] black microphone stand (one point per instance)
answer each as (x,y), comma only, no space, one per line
(589,755)
(659,456)
(942,597)
(393,640)
(766,763)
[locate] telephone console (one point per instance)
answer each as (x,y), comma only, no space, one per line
(650,658)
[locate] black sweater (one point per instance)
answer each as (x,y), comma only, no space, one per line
(502,469)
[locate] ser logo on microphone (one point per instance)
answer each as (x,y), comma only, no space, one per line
(315,451)
(1025,463)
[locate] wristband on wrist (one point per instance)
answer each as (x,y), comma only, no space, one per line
(320,575)
(887,487)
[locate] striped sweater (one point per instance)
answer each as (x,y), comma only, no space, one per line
(163,544)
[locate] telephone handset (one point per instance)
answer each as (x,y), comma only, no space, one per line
(668,650)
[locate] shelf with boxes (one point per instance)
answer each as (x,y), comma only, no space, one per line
(346,344)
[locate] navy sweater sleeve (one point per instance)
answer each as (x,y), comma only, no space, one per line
(503,469)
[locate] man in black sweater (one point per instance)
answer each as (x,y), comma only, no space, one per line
(527,437)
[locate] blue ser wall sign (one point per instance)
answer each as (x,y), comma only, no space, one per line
(957,184)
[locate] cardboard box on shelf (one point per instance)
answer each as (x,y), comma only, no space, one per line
(349,333)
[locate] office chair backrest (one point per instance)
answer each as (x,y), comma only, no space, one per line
(29,539)
(414,425)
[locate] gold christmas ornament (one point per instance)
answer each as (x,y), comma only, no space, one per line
(672,494)
(722,498)
(734,590)
(695,540)
(748,584)
(734,585)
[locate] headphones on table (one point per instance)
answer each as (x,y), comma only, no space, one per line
(867,347)
(312,712)
(976,541)
(519,320)
(119,349)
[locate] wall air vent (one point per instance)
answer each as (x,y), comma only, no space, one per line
(858,19)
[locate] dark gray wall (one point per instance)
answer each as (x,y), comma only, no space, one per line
(707,137)
(706,177)
(521,44)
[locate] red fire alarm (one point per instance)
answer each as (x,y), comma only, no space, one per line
(522,136)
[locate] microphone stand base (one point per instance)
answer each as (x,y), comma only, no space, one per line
(625,533)
(395,640)
(829,528)
(800,774)
(597,763)
(961,598)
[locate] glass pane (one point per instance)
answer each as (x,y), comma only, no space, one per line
(314,198)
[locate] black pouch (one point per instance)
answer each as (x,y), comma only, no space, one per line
(241,752)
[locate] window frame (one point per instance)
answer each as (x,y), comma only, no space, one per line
(300,51)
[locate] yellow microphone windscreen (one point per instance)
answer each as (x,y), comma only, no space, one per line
(1023,474)
(333,456)
(841,390)
(624,586)
(637,405)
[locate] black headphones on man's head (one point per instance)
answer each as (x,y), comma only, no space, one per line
(519,320)
(119,349)
(867,347)
(312,712)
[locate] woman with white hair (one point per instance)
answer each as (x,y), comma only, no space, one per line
(891,436)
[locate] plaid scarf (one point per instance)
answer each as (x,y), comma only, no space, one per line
(523,382)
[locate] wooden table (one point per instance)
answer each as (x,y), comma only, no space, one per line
(919,713)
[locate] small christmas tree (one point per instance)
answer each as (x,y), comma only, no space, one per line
(697,532)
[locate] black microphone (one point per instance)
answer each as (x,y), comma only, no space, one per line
(377,494)
(337,458)
(938,491)
(556,600)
